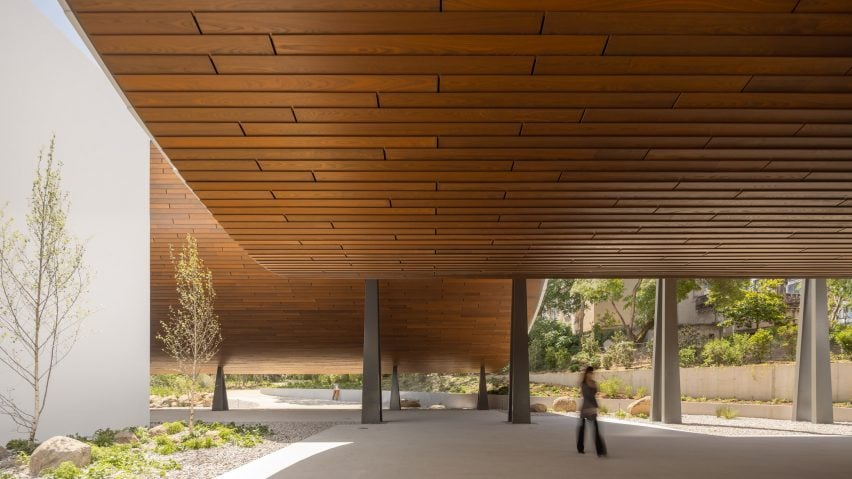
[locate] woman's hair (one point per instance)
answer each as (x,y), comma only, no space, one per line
(586,372)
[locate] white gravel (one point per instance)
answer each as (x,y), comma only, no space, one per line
(741,426)
(209,463)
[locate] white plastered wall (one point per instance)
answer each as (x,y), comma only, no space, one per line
(47,85)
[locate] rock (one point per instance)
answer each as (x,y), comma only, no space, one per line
(564,404)
(157,431)
(4,453)
(409,403)
(640,406)
(125,437)
(58,449)
(437,406)
(538,408)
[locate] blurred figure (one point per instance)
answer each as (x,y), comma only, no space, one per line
(335,392)
(589,412)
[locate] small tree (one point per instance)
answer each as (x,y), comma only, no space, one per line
(192,335)
(43,280)
(839,297)
(758,305)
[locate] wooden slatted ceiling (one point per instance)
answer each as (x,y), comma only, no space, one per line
(492,138)
(273,324)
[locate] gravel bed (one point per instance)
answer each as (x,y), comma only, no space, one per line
(742,426)
(209,463)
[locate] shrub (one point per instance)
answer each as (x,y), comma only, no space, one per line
(165,445)
(104,437)
(843,337)
(688,357)
(731,351)
(641,392)
(726,412)
(759,345)
(203,442)
(66,470)
(602,410)
(174,427)
(123,461)
(620,414)
(641,415)
(21,445)
(615,388)
(622,353)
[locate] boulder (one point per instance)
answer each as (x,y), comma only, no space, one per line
(640,406)
(59,449)
(564,404)
(437,406)
(409,403)
(125,437)
(157,431)
(4,453)
(538,408)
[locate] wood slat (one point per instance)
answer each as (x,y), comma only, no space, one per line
(252,5)
(690,65)
(183,44)
(369,23)
(391,65)
(439,44)
(623,5)
(729,45)
(277,83)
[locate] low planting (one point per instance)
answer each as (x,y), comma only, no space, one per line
(726,412)
(146,452)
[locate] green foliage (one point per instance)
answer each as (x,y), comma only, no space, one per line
(203,442)
(559,296)
(176,384)
(722,293)
(104,437)
(21,445)
(621,353)
(620,414)
(641,392)
(590,352)
(759,345)
(688,357)
(758,305)
(552,345)
(165,445)
(726,412)
(839,297)
(615,388)
(174,427)
(689,336)
(603,410)
(66,470)
(124,461)
(737,349)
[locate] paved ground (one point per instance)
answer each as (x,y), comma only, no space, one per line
(480,444)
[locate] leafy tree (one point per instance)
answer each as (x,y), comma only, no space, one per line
(724,292)
(192,335)
(635,307)
(839,296)
(760,304)
(559,298)
(43,280)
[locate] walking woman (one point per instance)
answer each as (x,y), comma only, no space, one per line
(589,412)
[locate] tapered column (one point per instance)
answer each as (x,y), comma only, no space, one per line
(220,392)
(371,394)
(394,398)
(519,362)
(665,396)
(812,396)
(482,397)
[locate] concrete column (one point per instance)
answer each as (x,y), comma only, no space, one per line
(394,397)
(519,364)
(371,394)
(812,396)
(220,392)
(665,395)
(482,397)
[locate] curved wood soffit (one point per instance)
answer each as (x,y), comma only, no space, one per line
(273,324)
(492,138)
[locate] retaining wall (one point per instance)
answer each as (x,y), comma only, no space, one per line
(760,382)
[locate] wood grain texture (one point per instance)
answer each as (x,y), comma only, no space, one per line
(272,324)
(462,139)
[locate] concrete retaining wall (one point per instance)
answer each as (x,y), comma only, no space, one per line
(468,401)
(760,382)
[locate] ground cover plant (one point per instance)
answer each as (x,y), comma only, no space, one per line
(150,454)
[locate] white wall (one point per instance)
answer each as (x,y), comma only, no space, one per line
(47,85)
